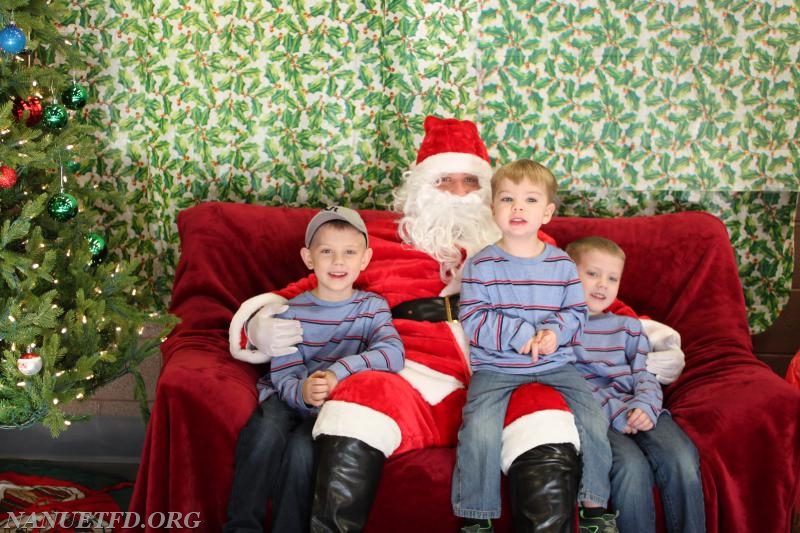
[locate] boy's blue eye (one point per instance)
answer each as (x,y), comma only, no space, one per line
(532,200)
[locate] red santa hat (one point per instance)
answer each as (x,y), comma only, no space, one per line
(452,145)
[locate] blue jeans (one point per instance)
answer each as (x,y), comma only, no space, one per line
(664,456)
(475,491)
(274,459)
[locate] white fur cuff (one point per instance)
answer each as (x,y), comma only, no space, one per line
(432,385)
(345,419)
(250,353)
(552,426)
(661,336)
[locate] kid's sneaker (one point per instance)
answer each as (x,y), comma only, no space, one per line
(605,523)
(478,528)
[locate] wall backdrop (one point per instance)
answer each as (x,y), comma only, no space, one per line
(638,107)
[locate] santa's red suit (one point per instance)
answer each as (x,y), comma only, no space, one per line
(420,407)
(372,415)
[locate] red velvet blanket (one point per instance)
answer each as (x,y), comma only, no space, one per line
(680,270)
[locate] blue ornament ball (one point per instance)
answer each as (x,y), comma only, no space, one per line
(12,39)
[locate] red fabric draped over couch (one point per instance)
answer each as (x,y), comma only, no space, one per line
(680,270)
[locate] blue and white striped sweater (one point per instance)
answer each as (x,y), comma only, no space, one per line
(344,337)
(505,300)
(612,357)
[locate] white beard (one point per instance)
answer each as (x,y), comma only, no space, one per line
(442,224)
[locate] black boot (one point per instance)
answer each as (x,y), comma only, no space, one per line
(543,486)
(348,473)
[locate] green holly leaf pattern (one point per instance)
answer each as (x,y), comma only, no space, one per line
(637,107)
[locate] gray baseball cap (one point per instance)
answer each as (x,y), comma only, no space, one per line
(335,213)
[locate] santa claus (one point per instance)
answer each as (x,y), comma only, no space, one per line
(370,416)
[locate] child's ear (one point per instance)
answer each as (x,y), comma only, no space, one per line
(305,253)
(548,213)
(366,259)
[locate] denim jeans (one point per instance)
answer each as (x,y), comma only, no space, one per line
(274,459)
(475,491)
(664,456)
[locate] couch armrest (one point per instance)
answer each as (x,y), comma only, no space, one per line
(203,398)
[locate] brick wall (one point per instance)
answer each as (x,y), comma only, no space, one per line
(116,398)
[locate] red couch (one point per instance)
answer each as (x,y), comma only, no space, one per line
(680,270)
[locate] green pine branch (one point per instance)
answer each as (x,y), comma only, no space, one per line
(81,312)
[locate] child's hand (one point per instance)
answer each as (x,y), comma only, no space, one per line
(543,343)
(546,341)
(316,389)
(526,348)
(332,381)
(637,421)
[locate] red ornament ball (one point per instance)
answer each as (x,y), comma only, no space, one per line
(32,105)
(8,177)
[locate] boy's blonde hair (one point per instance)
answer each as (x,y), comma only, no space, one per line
(577,248)
(527,169)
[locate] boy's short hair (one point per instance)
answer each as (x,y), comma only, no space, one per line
(527,169)
(341,216)
(578,247)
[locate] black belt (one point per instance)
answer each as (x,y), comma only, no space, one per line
(437,309)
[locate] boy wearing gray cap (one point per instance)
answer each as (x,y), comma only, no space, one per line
(344,331)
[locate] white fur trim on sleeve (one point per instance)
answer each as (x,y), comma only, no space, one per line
(434,386)
(346,419)
(250,353)
(551,426)
(661,336)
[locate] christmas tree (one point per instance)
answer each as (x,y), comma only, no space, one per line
(70,316)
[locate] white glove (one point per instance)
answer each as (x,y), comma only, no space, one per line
(667,365)
(274,336)
(667,359)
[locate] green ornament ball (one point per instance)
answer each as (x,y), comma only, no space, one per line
(74,97)
(73,166)
(62,206)
(55,116)
(97,246)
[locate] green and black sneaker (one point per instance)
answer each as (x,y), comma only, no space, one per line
(477,526)
(604,523)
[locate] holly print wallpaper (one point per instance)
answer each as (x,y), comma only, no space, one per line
(638,107)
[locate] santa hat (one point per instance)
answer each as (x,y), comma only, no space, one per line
(452,145)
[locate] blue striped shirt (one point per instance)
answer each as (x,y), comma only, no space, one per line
(612,357)
(344,337)
(505,300)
